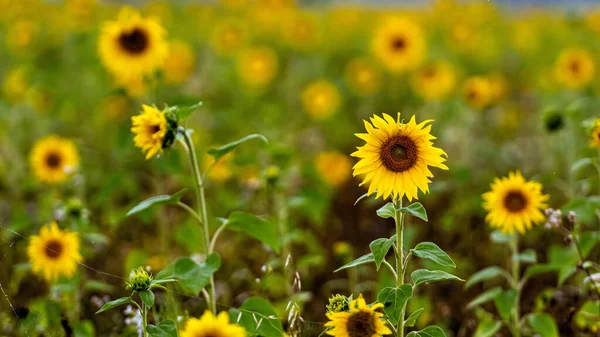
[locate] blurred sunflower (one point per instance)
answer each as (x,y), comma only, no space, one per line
(132,46)
(574,68)
(399,43)
(362,320)
(434,81)
(21,35)
(134,86)
(54,252)
(228,37)
(362,77)
(514,203)
(54,159)
(257,66)
(210,326)
(153,130)
(593,20)
(335,168)
(301,31)
(16,84)
(478,92)
(595,142)
(499,86)
(180,63)
(115,106)
(81,13)
(220,171)
(396,156)
(321,99)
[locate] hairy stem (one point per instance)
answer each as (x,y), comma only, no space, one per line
(514,245)
(399,219)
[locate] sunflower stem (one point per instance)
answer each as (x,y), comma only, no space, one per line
(399,219)
(514,245)
(144,319)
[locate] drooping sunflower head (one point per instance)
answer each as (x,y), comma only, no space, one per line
(362,77)
(434,81)
(321,99)
(595,141)
(574,68)
(133,46)
(154,130)
(335,168)
(54,159)
(360,321)
(514,203)
(210,326)
(54,252)
(257,66)
(396,157)
(399,43)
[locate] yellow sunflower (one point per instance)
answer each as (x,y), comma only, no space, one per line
(595,142)
(257,66)
(399,43)
(133,46)
(335,168)
(478,92)
(514,203)
(434,81)
(228,37)
(362,77)
(362,321)
(54,252)
(321,99)
(54,159)
(301,31)
(16,84)
(210,326)
(574,68)
(180,63)
(150,129)
(395,159)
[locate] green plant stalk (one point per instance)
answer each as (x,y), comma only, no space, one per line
(201,207)
(514,245)
(399,219)
(144,318)
(282,220)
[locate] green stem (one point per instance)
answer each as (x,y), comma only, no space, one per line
(282,221)
(399,219)
(514,245)
(201,200)
(144,319)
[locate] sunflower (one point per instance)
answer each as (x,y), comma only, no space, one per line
(133,46)
(362,321)
(514,203)
(257,66)
(395,159)
(434,81)
(54,252)
(362,77)
(153,130)
(180,63)
(16,85)
(399,44)
(54,159)
(321,99)
(574,68)
(301,31)
(228,37)
(210,326)
(478,92)
(595,142)
(334,167)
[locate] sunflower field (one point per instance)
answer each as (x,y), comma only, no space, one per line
(276,168)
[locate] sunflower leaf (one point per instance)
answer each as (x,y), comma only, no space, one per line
(486,296)
(259,228)
(421,276)
(431,251)
(366,195)
(527,256)
(115,303)
(484,275)
(387,211)
(412,319)
(416,210)
(219,152)
(543,324)
(505,302)
(367,258)
(393,300)
(487,328)
(147,297)
(430,331)
(185,111)
(166,328)
(380,248)
(258,317)
(157,200)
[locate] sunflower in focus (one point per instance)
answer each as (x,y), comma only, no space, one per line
(514,203)
(257,66)
(180,63)
(399,43)
(362,321)
(153,130)
(210,326)
(334,167)
(595,142)
(133,46)
(478,92)
(54,252)
(434,81)
(54,159)
(574,68)
(362,77)
(395,159)
(321,99)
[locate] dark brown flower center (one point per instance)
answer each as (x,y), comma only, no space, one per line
(472,95)
(398,43)
(514,201)
(574,67)
(135,41)
(53,160)
(429,72)
(53,249)
(398,154)
(360,324)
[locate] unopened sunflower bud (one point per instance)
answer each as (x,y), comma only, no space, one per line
(139,280)
(338,303)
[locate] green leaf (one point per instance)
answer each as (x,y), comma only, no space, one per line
(506,301)
(498,236)
(543,324)
(380,248)
(157,200)
(387,211)
(115,303)
(258,317)
(219,152)
(83,329)
(430,331)
(484,297)
(416,210)
(366,195)
(161,281)
(423,275)
(430,251)
(193,277)
(147,297)
(587,242)
(185,111)
(540,269)
(393,300)
(166,328)
(412,319)
(487,328)
(579,164)
(527,256)
(259,228)
(367,258)
(484,275)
